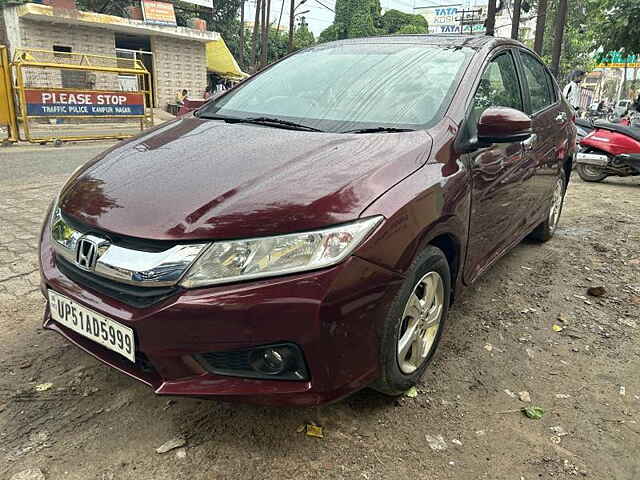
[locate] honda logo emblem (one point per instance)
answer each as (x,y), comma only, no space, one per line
(87,251)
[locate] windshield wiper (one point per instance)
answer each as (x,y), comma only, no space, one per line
(211,117)
(380,129)
(276,121)
(262,121)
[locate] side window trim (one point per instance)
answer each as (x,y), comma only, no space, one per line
(523,81)
(551,88)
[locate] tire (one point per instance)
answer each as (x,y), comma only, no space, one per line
(428,274)
(590,174)
(544,232)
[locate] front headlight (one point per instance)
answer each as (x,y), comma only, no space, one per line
(236,260)
(61,232)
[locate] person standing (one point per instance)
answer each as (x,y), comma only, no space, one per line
(181,97)
(572,90)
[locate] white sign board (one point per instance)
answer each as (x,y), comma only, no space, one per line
(202,3)
(446,19)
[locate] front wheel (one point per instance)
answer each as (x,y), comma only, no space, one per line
(414,323)
(546,229)
(590,173)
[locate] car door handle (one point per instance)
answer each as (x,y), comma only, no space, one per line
(561,117)
(530,143)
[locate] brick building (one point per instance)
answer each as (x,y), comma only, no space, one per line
(175,56)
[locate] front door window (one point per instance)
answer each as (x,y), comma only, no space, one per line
(499,86)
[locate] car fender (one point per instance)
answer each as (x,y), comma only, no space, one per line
(423,207)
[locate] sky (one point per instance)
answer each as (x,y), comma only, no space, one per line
(320,17)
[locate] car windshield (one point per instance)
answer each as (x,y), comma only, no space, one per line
(350,87)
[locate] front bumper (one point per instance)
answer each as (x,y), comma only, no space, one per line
(332,315)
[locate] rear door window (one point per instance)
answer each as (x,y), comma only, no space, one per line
(536,75)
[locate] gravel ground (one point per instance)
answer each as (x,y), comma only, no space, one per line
(464,423)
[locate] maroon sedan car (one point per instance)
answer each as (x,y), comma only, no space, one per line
(302,236)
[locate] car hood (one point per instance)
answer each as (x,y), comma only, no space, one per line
(205,179)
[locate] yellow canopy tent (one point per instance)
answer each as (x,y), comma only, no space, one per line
(221,61)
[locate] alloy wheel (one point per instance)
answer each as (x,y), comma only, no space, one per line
(420,323)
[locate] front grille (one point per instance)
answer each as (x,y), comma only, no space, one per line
(134,243)
(139,297)
(222,362)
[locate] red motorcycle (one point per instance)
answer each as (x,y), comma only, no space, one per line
(611,149)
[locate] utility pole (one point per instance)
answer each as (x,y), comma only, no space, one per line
(280,17)
(266,7)
(490,22)
(291,18)
(254,37)
(267,30)
(541,21)
(241,53)
(561,19)
(515,23)
(619,88)
(624,78)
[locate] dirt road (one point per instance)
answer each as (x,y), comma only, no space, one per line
(94,423)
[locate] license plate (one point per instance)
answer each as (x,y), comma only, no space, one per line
(100,329)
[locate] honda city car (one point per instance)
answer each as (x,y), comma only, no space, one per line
(302,236)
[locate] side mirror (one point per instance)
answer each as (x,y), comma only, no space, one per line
(503,125)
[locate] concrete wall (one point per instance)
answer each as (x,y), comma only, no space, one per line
(11,30)
(178,64)
(44,35)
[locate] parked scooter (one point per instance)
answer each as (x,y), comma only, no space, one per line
(610,149)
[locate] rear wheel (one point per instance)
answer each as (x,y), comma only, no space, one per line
(413,326)
(546,229)
(590,173)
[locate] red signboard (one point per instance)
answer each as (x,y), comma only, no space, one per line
(64,103)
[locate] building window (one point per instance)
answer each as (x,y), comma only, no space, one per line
(61,50)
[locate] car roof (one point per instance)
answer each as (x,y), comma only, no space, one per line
(450,40)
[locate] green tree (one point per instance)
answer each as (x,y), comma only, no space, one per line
(303,37)
(329,34)
(578,43)
(395,21)
(616,25)
(410,30)
(354,18)
(118,9)
(278,46)
(362,18)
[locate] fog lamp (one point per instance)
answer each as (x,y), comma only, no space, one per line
(272,360)
(281,361)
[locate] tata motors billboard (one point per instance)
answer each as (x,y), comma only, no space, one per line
(66,103)
(446,19)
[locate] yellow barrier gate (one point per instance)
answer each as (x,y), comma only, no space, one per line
(7,106)
(73,87)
